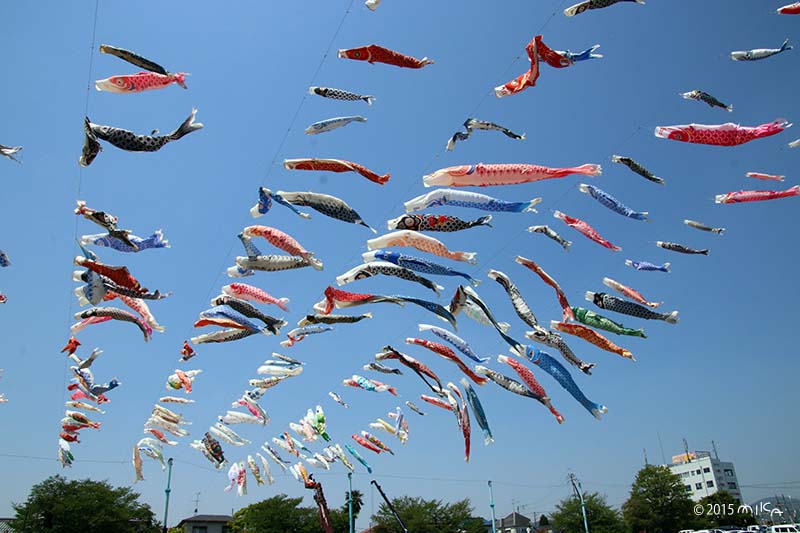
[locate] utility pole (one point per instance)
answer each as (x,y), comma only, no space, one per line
(491,504)
(576,486)
(196,502)
(167,491)
(645,456)
(714,447)
(350,500)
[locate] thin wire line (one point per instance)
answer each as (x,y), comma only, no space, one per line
(79,187)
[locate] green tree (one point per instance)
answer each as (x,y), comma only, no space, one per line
(278,514)
(544,521)
(56,505)
(428,516)
(720,509)
(601,517)
(658,502)
(341,516)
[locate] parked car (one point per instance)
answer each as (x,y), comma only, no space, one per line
(783,528)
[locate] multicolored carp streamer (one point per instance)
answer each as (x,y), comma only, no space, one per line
(419,368)
(630,293)
(612,203)
(637,167)
(436,223)
(283,241)
(332,319)
(618,305)
(482,175)
(675,247)
(588,231)
(331,124)
(794,144)
(249,293)
(358,457)
(590,318)
(703,227)
(468,199)
(755,196)
(271,263)
(526,79)
(468,294)
(728,134)
(421,242)
(416,264)
(579,8)
(386,268)
(766,177)
(378,54)
(460,344)
(550,233)
(516,387)
(448,354)
(544,361)
(131,243)
(133,59)
(334,165)
(589,335)
(644,265)
(298,334)
(477,410)
(112,313)
(326,204)
(265,197)
(370,385)
(520,307)
(790,9)
(472,124)
(760,53)
(9,151)
(581,56)
(340,94)
(129,141)
(701,96)
(562,298)
(338,298)
(136,83)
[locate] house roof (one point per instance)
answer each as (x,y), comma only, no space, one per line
(207,518)
(514,519)
(5,525)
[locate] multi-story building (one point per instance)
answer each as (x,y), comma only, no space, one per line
(703,475)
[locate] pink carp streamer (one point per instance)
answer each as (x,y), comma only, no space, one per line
(482,175)
(728,134)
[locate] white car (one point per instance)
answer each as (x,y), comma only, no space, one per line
(783,528)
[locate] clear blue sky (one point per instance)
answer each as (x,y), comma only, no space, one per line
(726,372)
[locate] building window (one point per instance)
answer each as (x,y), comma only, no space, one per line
(710,484)
(731,485)
(706,470)
(698,486)
(688,488)
(729,472)
(199,529)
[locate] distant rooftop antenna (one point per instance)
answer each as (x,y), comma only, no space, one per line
(686,449)
(645,456)
(714,447)
(196,502)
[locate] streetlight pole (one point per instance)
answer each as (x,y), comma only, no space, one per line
(576,486)
(350,501)
(167,491)
(491,504)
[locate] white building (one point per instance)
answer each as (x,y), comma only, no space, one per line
(703,475)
